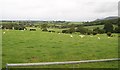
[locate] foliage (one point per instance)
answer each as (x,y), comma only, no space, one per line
(98,30)
(82,30)
(117,29)
(13,26)
(108,27)
(109,33)
(44,27)
(94,33)
(71,30)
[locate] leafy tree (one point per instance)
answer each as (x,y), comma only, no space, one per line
(117,30)
(44,27)
(98,30)
(82,30)
(94,33)
(71,30)
(108,27)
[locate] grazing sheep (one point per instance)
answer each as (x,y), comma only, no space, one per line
(81,36)
(3,32)
(58,33)
(71,36)
(91,36)
(108,37)
(99,38)
(24,29)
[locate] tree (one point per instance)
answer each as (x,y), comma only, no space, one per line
(82,30)
(98,30)
(44,27)
(117,30)
(108,27)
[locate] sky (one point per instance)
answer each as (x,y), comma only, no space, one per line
(64,10)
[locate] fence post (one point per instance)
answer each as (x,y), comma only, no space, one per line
(6,67)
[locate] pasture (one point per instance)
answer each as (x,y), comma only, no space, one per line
(37,46)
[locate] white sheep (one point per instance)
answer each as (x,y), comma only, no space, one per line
(91,36)
(71,36)
(3,32)
(81,36)
(99,38)
(108,37)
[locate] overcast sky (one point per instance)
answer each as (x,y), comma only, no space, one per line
(68,10)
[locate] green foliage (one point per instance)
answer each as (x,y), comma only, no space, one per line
(98,30)
(117,29)
(82,30)
(108,27)
(64,31)
(71,30)
(109,33)
(44,27)
(15,26)
(94,33)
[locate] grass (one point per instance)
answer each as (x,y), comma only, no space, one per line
(37,46)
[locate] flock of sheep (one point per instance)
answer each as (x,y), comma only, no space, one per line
(72,36)
(82,36)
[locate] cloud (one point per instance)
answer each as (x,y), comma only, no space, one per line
(107,7)
(74,10)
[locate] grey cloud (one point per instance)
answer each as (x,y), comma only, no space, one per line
(107,7)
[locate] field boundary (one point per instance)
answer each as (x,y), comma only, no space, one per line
(59,63)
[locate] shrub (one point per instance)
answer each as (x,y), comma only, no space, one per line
(94,33)
(51,31)
(64,31)
(71,30)
(108,27)
(88,33)
(32,29)
(44,29)
(117,29)
(82,30)
(109,33)
(98,30)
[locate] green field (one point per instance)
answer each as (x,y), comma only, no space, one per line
(37,46)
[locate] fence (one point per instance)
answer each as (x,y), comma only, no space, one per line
(60,63)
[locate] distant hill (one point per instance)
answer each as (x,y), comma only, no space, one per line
(112,19)
(108,18)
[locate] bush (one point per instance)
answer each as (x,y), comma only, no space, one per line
(51,31)
(94,33)
(82,30)
(98,30)
(108,27)
(71,30)
(45,29)
(64,31)
(88,33)
(101,31)
(109,33)
(117,29)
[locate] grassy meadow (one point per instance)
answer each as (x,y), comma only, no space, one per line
(37,46)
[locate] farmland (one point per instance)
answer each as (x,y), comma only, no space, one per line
(37,46)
